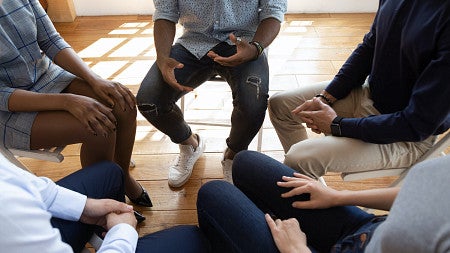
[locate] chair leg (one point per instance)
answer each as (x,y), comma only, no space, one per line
(259,143)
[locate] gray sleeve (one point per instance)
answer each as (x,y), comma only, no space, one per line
(419,220)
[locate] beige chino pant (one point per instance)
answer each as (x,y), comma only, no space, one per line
(315,156)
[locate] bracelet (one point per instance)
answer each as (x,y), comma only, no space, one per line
(324,98)
(259,48)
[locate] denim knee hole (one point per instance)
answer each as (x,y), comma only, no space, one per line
(148,108)
(256,81)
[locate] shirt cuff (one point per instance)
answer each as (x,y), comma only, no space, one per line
(60,207)
(122,237)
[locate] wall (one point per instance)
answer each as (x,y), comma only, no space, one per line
(145,7)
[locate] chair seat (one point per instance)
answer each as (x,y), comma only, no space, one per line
(353,176)
(50,154)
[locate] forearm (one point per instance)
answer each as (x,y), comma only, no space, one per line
(28,101)
(374,198)
(164,34)
(71,62)
(267,31)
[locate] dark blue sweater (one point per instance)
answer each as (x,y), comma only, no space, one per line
(406,55)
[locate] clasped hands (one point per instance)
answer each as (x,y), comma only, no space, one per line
(316,114)
(107,213)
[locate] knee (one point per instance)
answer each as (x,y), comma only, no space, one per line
(125,116)
(209,193)
(111,170)
(277,106)
(305,162)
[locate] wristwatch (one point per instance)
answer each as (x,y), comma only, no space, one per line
(336,126)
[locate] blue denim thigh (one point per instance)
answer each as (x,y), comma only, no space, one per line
(156,99)
(231,221)
(358,241)
(249,83)
(256,175)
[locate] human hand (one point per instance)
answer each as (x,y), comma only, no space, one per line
(167,67)
(287,235)
(114,93)
(115,218)
(321,196)
(96,211)
(95,116)
(245,52)
(316,114)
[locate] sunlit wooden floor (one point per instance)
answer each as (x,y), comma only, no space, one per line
(310,48)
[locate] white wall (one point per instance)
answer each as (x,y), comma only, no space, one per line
(145,7)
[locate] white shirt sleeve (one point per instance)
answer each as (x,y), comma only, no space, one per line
(120,238)
(26,223)
(27,203)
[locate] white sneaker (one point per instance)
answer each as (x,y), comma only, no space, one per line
(184,164)
(227,168)
(227,165)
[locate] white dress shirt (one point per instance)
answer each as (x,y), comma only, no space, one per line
(27,203)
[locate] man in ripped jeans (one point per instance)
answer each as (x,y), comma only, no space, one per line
(225,38)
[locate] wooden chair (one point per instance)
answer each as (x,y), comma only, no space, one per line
(439,147)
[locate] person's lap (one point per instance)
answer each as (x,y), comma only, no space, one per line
(101,180)
(249,84)
(224,209)
(256,175)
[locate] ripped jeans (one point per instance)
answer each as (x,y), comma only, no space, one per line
(249,83)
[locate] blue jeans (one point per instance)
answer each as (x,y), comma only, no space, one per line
(232,217)
(105,180)
(249,84)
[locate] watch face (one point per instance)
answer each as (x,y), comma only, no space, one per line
(335,129)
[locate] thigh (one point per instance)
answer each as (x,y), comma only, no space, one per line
(184,238)
(249,82)
(282,103)
(103,180)
(59,128)
(56,128)
(315,157)
(231,221)
(154,90)
(256,175)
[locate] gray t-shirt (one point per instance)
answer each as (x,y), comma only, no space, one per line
(419,220)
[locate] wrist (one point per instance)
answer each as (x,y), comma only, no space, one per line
(336,126)
(324,99)
(259,48)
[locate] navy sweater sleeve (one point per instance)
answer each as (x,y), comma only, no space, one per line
(421,80)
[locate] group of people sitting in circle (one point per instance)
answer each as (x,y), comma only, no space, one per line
(384,109)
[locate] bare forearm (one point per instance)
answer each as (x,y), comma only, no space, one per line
(375,198)
(267,31)
(164,35)
(27,101)
(70,61)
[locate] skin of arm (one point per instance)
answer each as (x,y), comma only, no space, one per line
(164,35)
(325,197)
(266,32)
(86,109)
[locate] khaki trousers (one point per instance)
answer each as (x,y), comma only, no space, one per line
(315,156)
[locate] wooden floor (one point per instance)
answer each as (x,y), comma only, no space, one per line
(310,48)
